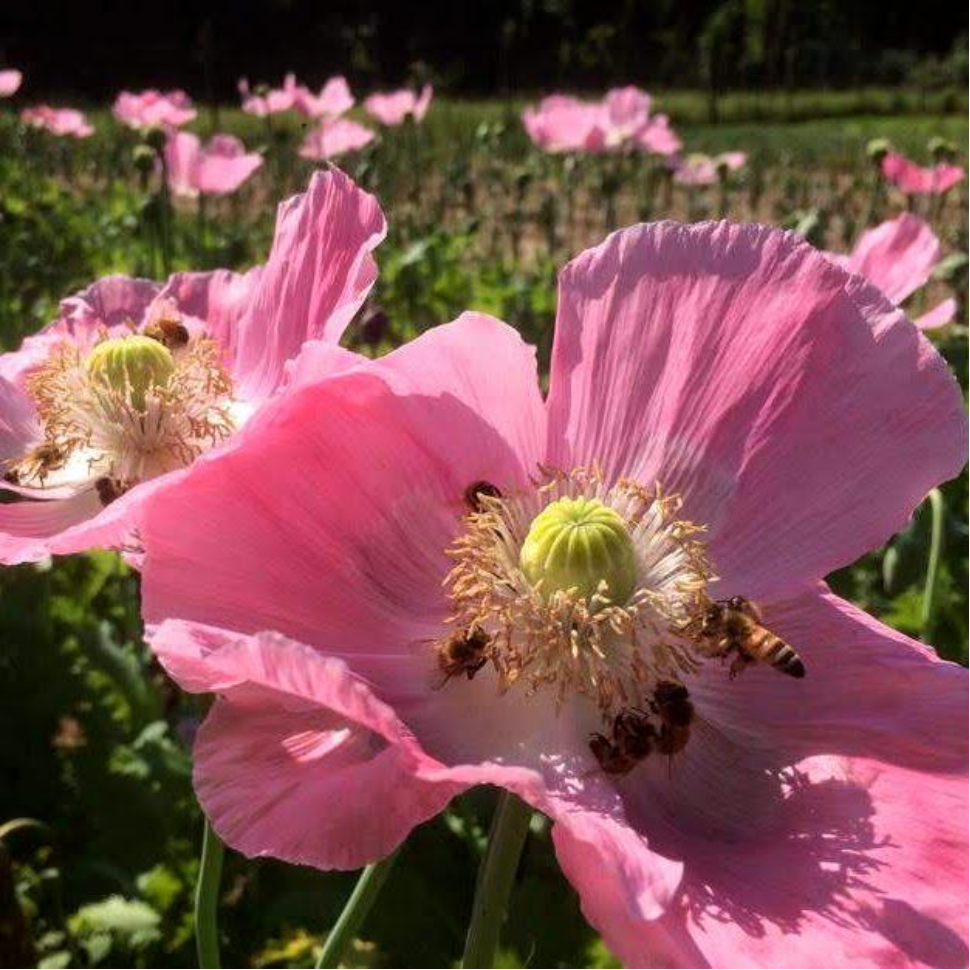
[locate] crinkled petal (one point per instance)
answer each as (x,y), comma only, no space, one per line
(318,274)
(297,759)
(897,256)
(737,366)
(825,815)
(18,422)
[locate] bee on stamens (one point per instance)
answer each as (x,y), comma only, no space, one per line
(475,491)
(734,627)
(631,741)
(45,458)
(109,489)
(462,653)
(170,333)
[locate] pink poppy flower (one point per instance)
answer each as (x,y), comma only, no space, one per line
(58,121)
(333,100)
(272,101)
(391,108)
(563,124)
(136,380)
(152,108)
(714,375)
(333,137)
(10,81)
(913,179)
(898,256)
(658,137)
(700,169)
(217,169)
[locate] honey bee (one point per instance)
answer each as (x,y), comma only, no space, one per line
(632,740)
(108,490)
(38,463)
(477,489)
(734,626)
(671,703)
(462,653)
(171,333)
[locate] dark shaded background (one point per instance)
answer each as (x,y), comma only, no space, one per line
(91,48)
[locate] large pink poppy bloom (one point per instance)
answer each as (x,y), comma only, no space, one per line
(392,107)
(58,121)
(658,137)
(219,168)
(913,179)
(10,81)
(711,375)
(82,452)
(700,169)
(333,137)
(270,101)
(152,108)
(333,100)
(898,256)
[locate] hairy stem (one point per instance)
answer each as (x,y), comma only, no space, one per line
(510,826)
(207,900)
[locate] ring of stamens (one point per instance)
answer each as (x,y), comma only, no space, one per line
(125,434)
(610,652)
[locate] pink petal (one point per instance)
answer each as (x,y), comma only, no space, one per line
(318,274)
(18,421)
(826,815)
(939,316)
(220,173)
(10,81)
(739,368)
(26,527)
(297,752)
(897,256)
(375,463)
(182,163)
(334,137)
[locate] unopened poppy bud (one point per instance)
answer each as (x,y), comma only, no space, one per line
(580,543)
(132,365)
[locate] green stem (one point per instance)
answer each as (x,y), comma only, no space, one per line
(207,899)
(937,511)
(361,900)
(510,826)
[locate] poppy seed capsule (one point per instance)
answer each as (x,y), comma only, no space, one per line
(579,543)
(131,365)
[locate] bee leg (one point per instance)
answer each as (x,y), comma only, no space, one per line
(740,661)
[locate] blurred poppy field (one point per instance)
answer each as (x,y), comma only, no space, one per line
(99,827)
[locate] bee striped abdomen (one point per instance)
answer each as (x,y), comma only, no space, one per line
(773,650)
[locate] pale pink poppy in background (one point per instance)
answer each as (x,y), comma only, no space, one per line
(218,168)
(899,256)
(83,452)
(58,121)
(562,123)
(913,179)
(271,101)
(392,107)
(148,109)
(333,100)
(712,376)
(10,81)
(333,137)
(700,169)
(658,137)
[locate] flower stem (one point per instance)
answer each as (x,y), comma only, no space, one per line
(207,899)
(361,900)
(510,826)
(937,511)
